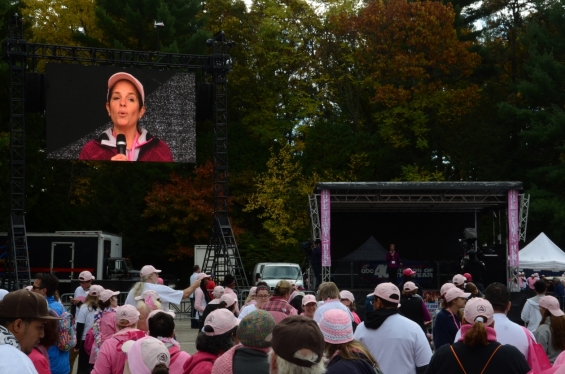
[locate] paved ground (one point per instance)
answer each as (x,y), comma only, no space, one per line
(185,335)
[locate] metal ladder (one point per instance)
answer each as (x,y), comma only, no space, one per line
(222,255)
(16,266)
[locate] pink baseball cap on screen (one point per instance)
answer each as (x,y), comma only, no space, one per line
(446,287)
(479,307)
(552,304)
(386,291)
(148,269)
(221,320)
(454,293)
(408,272)
(128,77)
(146,353)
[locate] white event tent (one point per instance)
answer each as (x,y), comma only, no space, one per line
(542,254)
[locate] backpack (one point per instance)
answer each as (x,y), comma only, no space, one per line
(89,341)
(67,335)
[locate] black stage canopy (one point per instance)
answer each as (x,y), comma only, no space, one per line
(418,196)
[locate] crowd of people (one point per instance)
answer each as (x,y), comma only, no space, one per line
(284,330)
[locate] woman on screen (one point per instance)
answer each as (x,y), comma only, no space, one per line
(125,106)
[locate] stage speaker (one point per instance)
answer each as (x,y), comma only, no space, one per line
(204,102)
(34,93)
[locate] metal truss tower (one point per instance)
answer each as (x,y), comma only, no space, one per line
(222,254)
(16,265)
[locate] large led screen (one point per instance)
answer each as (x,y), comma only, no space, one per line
(81,125)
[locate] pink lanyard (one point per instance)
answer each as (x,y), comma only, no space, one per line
(454,320)
(131,153)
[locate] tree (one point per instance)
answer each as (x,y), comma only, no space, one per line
(129,24)
(281,198)
(536,111)
(62,22)
(184,207)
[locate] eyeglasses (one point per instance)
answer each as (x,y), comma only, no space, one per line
(263,296)
(34,287)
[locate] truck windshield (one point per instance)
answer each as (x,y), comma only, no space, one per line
(281,272)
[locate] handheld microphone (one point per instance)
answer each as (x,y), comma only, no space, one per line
(121,144)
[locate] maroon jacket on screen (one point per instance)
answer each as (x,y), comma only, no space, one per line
(104,148)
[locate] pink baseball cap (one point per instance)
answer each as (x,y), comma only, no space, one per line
(446,287)
(308,299)
(147,270)
(468,276)
(478,307)
(221,321)
(218,291)
(336,327)
(347,295)
(454,293)
(95,290)
(552,304)
(146,353)
(126,312)
(408,272)
(202,276)
(85,276)
(410,286)
(459,280)
(253,291)
(107,294)
(128,77)
(386,291)
(229,299)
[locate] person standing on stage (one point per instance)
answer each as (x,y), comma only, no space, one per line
(393,263)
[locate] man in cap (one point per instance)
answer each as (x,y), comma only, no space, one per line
(149,281)
(398,344)
(85,279)
(507,332)
(22,319)
(297,346)
(46,285)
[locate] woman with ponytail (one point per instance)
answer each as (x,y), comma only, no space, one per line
(551,331)
(477,351)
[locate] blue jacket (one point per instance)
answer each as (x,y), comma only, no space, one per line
(445,329)
(58,360)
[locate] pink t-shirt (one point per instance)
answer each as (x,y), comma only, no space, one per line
(40,360)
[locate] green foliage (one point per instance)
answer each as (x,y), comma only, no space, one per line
(130,25)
